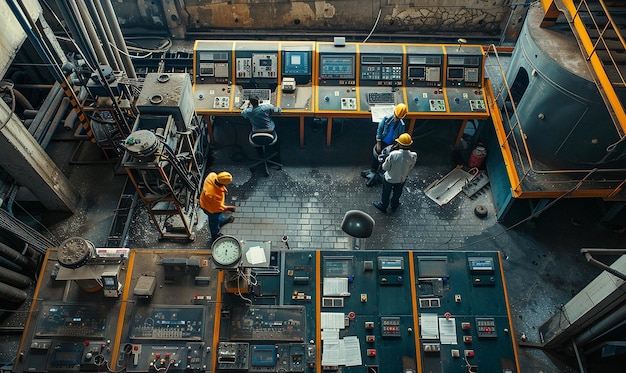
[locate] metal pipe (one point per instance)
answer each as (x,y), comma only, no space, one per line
(15,257)
(597,263)
(65,102)
(43,120)
(601,326)
(78,32)
(22,100)
(10,265)
(84,22)
(580,363)
(109,36)
(12,294)
(70,119)
(103,49)
(13,278)
(119,38)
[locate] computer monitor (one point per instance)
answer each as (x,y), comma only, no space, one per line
(456,73)
(337,67)
(432,267)
(417,72)
(296,63)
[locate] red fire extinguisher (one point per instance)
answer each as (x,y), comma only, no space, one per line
(477,157)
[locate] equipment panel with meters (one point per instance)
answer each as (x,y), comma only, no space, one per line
(380,75)
(213,75)
(303,311)
(340,79)
(337,66)
(464,78)
(424,77)
(296,88)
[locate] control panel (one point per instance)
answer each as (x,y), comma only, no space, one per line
(380,78)
(301,311)
(464,78)
(337,77)
(227,72)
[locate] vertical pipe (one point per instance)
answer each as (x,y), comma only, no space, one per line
(79,33)
(109,35)
(91,31)
(102,34)
(119,38)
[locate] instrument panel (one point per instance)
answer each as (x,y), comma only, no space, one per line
(307,78)
(301,311)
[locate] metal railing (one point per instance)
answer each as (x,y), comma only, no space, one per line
(516,151)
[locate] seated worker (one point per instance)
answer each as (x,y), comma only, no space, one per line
(389,128)
(260,115)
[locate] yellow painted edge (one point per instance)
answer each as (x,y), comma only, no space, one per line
(42,271)
(597,65)
(318,316)
(508,312)
(120,319)
(416,328)
(496,118)
(217,320)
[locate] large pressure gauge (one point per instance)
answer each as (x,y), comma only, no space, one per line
(226,251)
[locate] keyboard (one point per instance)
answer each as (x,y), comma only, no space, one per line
(380,98)
(262,94)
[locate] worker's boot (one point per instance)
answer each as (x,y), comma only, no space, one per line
(372,179)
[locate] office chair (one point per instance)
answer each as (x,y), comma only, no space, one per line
(263,140)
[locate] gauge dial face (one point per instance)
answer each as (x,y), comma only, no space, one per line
(226,251)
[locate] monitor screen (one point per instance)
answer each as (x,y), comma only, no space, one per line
(296,63)
(432,267)
(417,72)
(337,67)
(455,73)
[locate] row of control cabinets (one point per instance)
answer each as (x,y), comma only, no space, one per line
(256,64)
(349,78)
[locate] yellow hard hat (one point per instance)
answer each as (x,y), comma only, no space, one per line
(400,111)
(405,139)
(224,178)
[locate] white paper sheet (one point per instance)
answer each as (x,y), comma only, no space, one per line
(379,111)
(447,328)
(352,351)
(332,320)
(429,327)
(336,286)
(256,255)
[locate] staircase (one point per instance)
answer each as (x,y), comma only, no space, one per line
(599,27)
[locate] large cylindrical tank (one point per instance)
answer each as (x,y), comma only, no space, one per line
(564,120)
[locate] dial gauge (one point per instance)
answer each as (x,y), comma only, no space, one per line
(226,251)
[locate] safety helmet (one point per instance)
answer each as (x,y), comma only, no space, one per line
(400,111)
(224,178)
(405,139)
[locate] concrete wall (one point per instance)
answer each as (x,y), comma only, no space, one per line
(422,18)
(12,32)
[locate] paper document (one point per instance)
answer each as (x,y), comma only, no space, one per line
(255,255)
(379,111)
(429,327)
(352,351)
(447,328)
(331,355)
(332,320)
(336,286)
